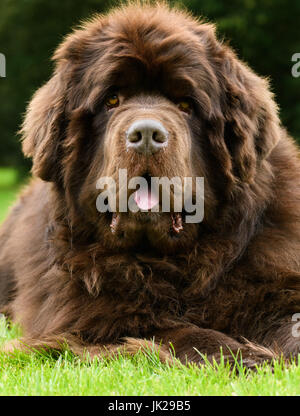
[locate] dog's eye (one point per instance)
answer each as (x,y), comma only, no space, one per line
(112,101)
(184,106)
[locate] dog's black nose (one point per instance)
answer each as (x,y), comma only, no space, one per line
(146,136)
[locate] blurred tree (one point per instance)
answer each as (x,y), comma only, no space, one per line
(30,30)
(265,33)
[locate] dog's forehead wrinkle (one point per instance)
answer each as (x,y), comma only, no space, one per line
(165,76)
(150,61)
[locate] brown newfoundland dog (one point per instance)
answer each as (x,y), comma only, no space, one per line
(151,90)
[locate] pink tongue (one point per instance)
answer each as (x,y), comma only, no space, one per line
(144,199)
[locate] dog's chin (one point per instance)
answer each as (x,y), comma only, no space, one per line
(162,232)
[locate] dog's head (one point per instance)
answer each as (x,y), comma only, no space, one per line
(152,92)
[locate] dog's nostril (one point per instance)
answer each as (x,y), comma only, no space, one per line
(159,137)
(136,137)
(154,135)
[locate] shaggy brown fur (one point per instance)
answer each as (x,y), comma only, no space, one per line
(65,277)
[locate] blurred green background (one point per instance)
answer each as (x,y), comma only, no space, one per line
(265,33)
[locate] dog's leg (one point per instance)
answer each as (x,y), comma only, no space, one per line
(127,347)
(192,343)
(188,344)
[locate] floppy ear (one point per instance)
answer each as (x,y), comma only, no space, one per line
(244,125)
(45,121)
(251,124)
(42,128)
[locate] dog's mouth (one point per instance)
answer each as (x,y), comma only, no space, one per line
(176,222)
(146,200)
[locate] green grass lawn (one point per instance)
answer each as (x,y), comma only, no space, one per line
(8,190)
(38,374)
